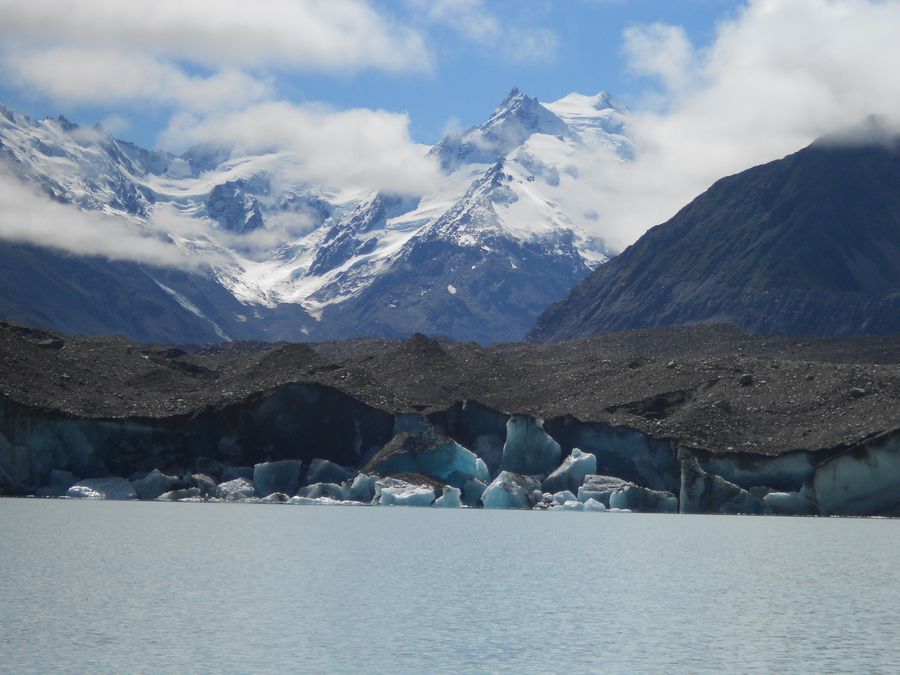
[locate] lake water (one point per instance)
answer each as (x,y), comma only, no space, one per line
(157,587)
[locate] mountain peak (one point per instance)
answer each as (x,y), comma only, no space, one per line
(65,124)
(526,114)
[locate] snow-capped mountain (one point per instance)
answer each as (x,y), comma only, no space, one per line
(509,230)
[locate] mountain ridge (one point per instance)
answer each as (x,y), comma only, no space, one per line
(807,244)
(496,213)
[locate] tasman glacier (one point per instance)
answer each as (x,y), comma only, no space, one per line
(508,230)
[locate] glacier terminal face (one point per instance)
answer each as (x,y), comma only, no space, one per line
(423,420)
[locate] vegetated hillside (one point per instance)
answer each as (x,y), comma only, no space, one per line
(806,245)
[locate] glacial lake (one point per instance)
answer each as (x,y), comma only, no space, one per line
(159,587)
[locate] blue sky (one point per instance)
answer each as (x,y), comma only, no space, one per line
(578,48)
(470,79)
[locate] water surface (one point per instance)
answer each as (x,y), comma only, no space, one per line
(154,587)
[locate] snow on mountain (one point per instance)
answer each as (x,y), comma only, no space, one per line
(516,196)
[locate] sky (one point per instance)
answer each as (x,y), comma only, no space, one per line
(454,61)
(354,88)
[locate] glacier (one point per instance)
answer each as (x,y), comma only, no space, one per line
(528,448)
(279,476)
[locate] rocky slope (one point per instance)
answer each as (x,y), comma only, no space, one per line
(808,245)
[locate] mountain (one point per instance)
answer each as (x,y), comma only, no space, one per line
(807,245)
(478,258)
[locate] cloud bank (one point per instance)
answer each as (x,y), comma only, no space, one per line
(352,149)
(315,35)
(476,24)
(27,216)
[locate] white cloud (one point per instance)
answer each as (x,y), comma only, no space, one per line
(321,35)
(474,22)
(353,149)
(115,124)
(81,75)
(660,50)
(467,17)
(29,217)
(777,76)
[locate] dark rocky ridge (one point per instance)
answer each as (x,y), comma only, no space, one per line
(807,245)
(711,387)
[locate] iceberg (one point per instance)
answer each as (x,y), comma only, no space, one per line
(275,498)
(317,501)
(593,505)
(179,495)
(429,454)
(529,449)
(482,472)
(450,499)
(154,484)
(362,489)
(600,488)
(280,476)
(317,490)
(512,491)
(323,471)
(236,490)
(397,492)
(205,484)
(102,488)
(643,500)
(573,505)
(790,504)
(562,497)
(571,473)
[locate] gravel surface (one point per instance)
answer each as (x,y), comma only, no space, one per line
(710,386)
